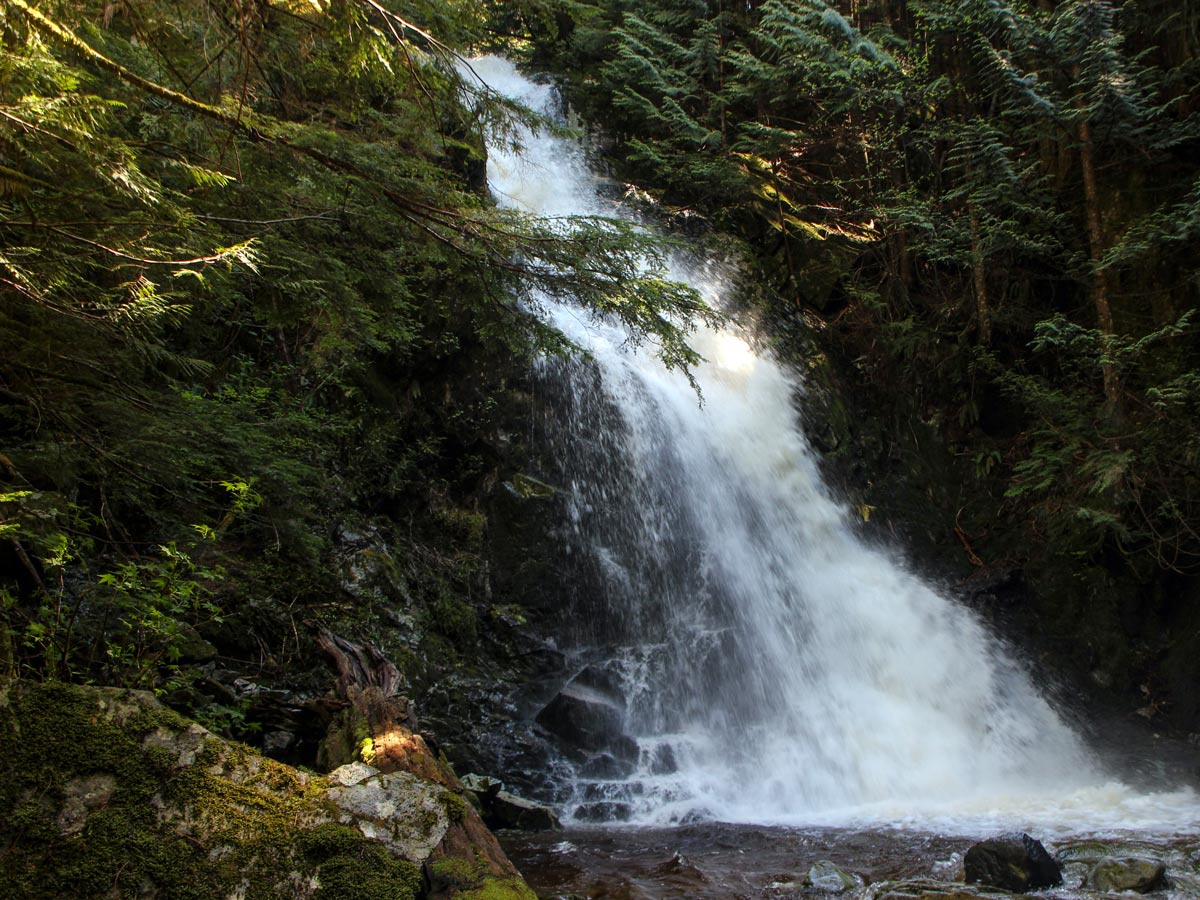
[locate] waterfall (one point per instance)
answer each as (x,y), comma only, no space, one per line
(762,662)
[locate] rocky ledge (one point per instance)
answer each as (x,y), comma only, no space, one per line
(106,793)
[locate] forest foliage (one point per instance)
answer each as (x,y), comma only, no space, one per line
(236,239)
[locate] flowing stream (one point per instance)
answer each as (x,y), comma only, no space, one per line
(764,663)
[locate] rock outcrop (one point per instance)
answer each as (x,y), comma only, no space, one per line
(587,717)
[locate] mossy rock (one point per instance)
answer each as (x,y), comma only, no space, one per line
(465,879)
(105,793)
(499,889)
(1128,873)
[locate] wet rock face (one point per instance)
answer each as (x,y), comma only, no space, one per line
(605,811)
(1013,863)
(606,766)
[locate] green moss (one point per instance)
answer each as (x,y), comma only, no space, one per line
(530,488)
(455,805)
(366,750)
(352,867)
(372,873)
(327,841)
(160,760)
(59,733)
(499,889)
(455,873)
(466,524)
(465,879)
(453,618)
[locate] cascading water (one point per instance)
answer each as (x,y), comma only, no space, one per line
(769,665)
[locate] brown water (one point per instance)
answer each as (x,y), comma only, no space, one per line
(739,862)
(714,860)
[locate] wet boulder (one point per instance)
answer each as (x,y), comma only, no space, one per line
(484,787)
(662,760)
(589,719)
(1127,873)
(605,766)
(1015,862)
(510,811)
(501,809)
(603,680)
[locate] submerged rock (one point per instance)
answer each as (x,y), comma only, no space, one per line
(830,878)
(950,869)
(921,889)
(1014,862)
(1128,873)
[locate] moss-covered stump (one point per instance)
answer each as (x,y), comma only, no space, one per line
(105,793)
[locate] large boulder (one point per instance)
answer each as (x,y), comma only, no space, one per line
(408,815)
(1014,862)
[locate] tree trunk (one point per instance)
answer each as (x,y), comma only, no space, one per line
(983,311)
(1101,280)
(370,686)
